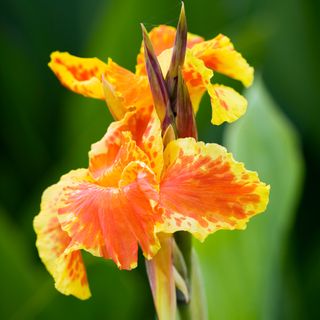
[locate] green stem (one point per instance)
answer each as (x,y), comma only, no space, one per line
(184,242)
(196,308)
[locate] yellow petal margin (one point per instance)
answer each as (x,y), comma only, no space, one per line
(227,104)
(81,75)
(204,189)
(67,270)
(219,55)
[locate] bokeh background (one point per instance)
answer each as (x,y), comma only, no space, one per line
(270,271)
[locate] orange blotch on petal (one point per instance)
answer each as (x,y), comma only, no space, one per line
(204,189)
(219,55)
(197,77)
(81,75)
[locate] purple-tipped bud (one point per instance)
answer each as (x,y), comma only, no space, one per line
(157,83)
(185,119)
(178,54)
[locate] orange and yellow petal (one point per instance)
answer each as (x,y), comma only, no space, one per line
(81,75)
(162,38)
(219,55)
(204,189)
(131,89)
(110,222)
(197,77)
(227,104)
(67,270)
(109,157)
(136,137)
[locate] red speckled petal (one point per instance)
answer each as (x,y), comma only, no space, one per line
(81,75)
(162,38)
(197,77)
(220,55)
(136,137)
(67,270)
(227,104)
(111,222)
(204,189)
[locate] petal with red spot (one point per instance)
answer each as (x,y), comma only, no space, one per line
(220,55)
(204,189)
(81,75)
(197,77)
(67,270)
(227,104)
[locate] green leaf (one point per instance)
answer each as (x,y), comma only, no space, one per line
(243,270)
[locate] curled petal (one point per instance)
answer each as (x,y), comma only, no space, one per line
(136,137)
(227,104)
(111,222)
(163,38)
(204,189)
(67,269)
(130,89)
(219,55)
(81,75)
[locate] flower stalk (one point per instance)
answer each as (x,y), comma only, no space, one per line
(174,108)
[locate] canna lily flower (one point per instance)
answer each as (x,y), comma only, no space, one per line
(85,75)
(133,191)
(149,177)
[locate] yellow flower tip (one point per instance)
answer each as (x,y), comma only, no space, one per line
(248,79)
(227,104)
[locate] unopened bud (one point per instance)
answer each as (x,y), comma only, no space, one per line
(185,119)
(178,54)
(157,83)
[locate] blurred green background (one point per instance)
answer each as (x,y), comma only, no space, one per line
(270,271)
